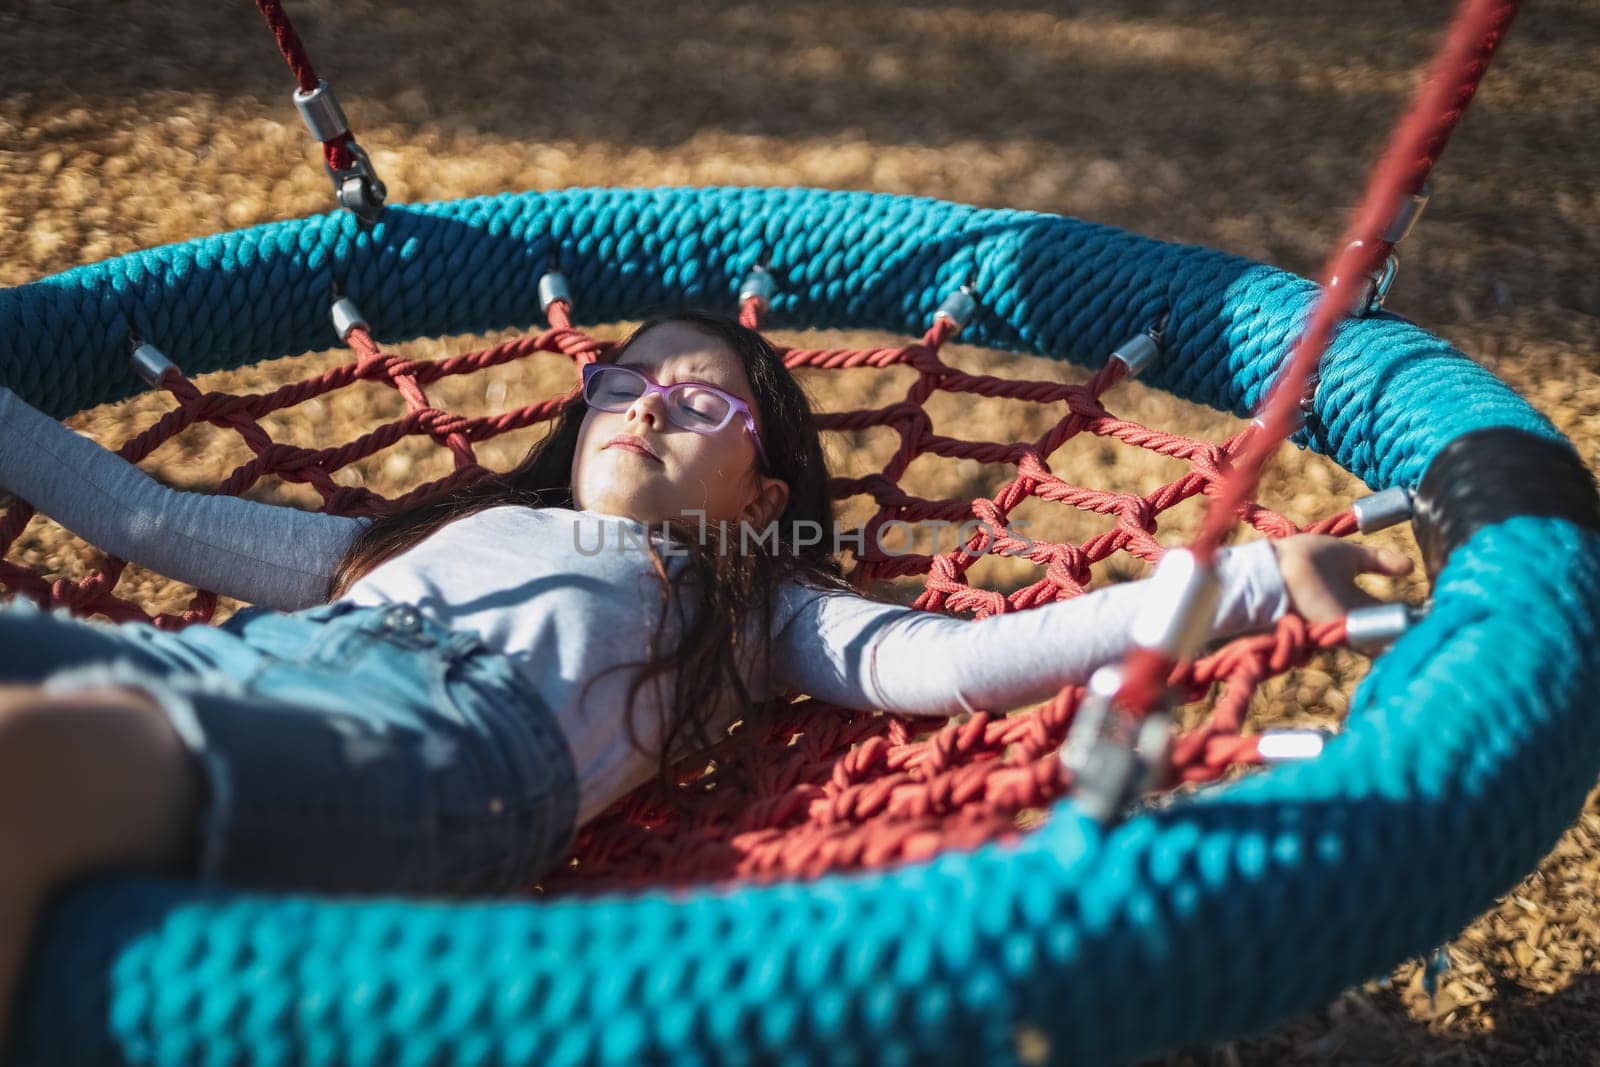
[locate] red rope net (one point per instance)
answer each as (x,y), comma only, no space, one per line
(829,788)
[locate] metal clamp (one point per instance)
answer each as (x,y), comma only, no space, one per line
(321,111)
(347,317)
(1292,744)
(1405,219)
(553,287)
(150,363)
(1375,289)
(1381,510)
(759,286)
(1373,628)
(1114,757)
(958,307)
(1137,353)
(356,186)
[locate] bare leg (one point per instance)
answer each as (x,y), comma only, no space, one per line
(89,781)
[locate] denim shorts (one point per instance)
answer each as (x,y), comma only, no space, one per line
(343,748)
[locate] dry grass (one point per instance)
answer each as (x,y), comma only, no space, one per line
(132,124)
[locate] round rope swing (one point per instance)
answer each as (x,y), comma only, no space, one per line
(992,888)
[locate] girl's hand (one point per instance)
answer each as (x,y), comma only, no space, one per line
(1320,571)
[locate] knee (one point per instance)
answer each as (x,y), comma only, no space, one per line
(89,778)
(35,738)
(43,734)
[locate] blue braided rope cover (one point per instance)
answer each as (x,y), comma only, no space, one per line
(1469,747)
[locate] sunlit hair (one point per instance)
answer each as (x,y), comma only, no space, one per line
(719,594)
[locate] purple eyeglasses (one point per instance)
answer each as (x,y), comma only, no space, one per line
(697,406)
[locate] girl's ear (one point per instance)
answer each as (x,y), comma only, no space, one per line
(771,497)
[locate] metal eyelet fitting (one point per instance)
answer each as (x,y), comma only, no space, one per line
(358,186)
(1113,758)
(1375,286)
(1177,619)
(346,317)
(1390,507)
(151,364)
(1137,353)
(552,287)
(958,307)
(1292,744)
(1308,399)
(1375,289)
(758,285)
(321,111)
(1405,219)
(1373,628)
(1381,283)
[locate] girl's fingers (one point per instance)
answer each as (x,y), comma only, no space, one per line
(1394,563)
(1383,561)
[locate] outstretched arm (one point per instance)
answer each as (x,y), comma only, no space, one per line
(860,653)
(279,557)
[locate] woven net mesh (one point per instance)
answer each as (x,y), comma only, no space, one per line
(829,788)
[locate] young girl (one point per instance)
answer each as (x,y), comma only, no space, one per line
(445,702)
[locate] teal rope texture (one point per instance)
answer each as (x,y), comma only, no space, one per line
(1469,747)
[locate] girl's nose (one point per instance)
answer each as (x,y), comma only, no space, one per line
(647,407)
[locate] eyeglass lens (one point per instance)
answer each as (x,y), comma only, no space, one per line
(688,405)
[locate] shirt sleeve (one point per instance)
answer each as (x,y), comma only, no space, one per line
(279,557)
(859,653)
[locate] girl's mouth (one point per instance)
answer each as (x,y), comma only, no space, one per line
(630,443)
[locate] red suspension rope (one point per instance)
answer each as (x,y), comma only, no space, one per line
(1419,140)
(355,183)
(336,150)
(289,43)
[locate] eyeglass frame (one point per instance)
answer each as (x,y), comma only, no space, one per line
(736,405)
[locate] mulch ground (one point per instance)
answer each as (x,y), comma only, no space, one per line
(127,125)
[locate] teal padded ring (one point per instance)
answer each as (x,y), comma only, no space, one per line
(1469,748)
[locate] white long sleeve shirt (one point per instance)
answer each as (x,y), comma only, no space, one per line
(567,593)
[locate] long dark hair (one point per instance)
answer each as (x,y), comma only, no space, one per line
(718,593)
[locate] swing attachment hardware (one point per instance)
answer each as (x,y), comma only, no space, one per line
(1376,285)
(758,285)
(321,111)
(150,363)
(1378,626)
(356,186)
(1136,354)
(553,287)
(1114,756)
(347,317)
(1292,744)
(1381,510)
(958,307)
